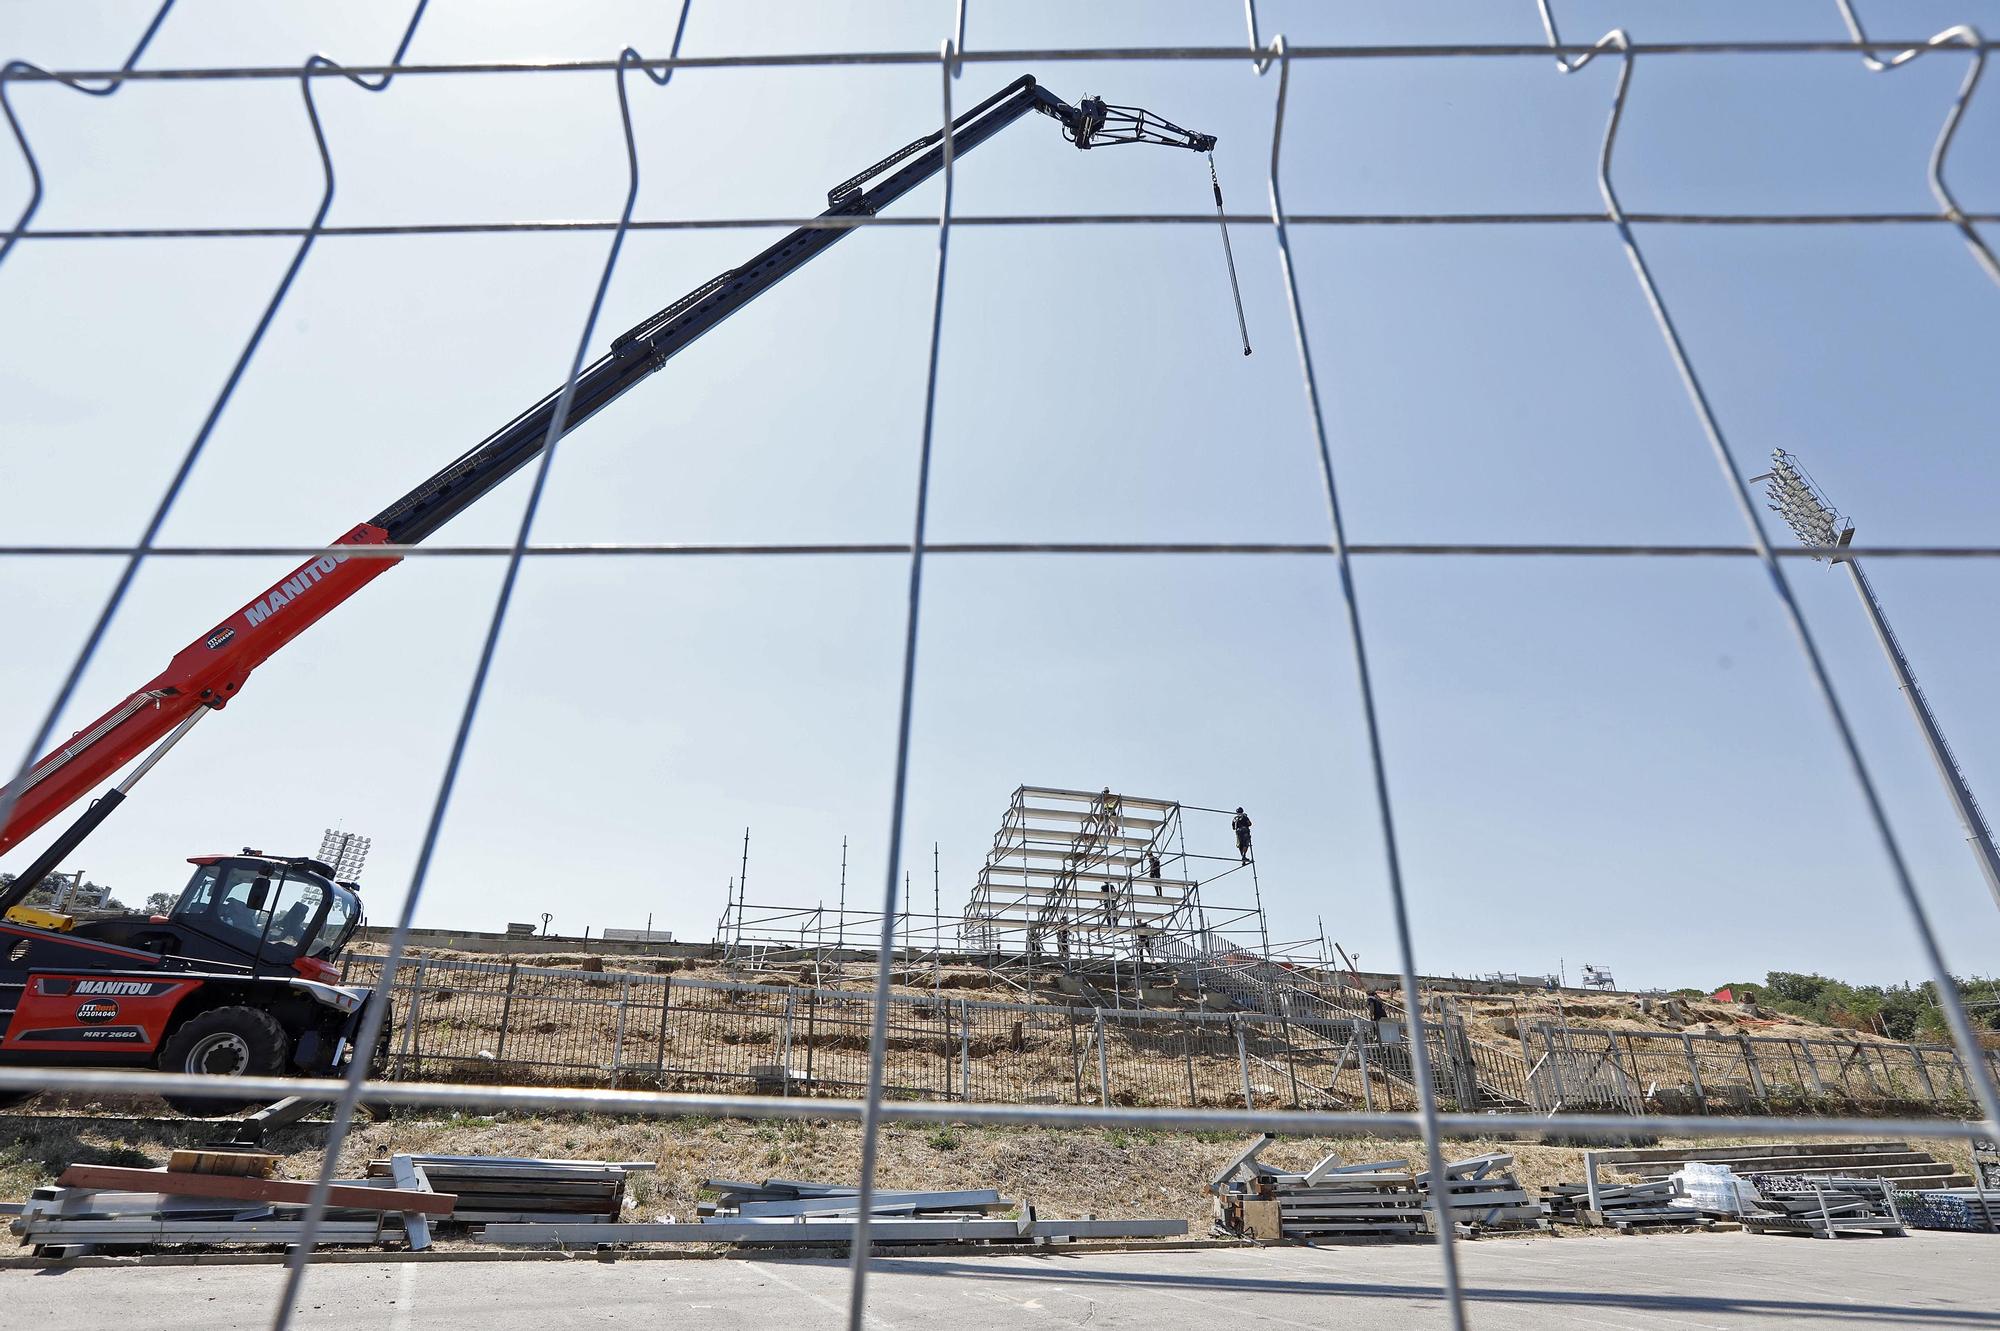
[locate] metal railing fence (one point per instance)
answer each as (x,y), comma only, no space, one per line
(498,1022)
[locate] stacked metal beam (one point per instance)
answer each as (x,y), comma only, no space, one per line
(1378,1199)
(1823,1207)
(1375,1199)
(785,1212)
(219,1203)
(1621,1206)
(521,1190)
(783,1201)
(1486,1195)
(106,1207)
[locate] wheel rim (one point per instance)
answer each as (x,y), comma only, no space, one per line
(223,1054)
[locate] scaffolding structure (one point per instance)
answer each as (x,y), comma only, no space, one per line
(1104,887)
(760,935)
(756,935)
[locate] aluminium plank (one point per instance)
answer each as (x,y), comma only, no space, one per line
(805,1231)
(535,1161)
(350,1195)
(831,1231)
(410,1177)
(965,1199)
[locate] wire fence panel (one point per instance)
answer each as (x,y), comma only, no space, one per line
(494,1022)
(808,1052)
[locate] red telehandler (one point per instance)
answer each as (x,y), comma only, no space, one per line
(238,978)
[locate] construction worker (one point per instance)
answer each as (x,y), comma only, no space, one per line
(1153,872)
(1377,1009)
(1241,822)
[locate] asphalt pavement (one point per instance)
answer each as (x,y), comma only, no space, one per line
(1683,1282)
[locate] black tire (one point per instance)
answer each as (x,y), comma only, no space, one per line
(228,1042)
(15,1099)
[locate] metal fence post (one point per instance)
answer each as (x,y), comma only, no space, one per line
(1868,1073)
(1187,1046)
(1888,1082)
(1812,1066)
(1291,1060)
(1632,1061)
(1554,1065)
(812,1029)
(1075,1056)
(1361,1061)
(1930,1087)
(1750,1064)
(666,1002)
(1243,1063)
(964,1050)
(1961,1074)
(1694,1072)
(506,1010)
(618,1036)
(785,1050)
(1103,1062)
(412,1051)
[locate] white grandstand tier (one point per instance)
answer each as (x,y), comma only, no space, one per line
(1073,871)
(1082,889)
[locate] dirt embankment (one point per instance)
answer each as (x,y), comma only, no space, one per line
(1499,1017)
(1495,1017)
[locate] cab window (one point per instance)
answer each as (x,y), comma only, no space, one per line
(219,899)
(200,894)
(334,932)
(233,908)
(219,904)
(295,904)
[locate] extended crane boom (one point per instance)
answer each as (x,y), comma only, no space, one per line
(209,671)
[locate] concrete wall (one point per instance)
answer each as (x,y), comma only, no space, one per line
(500,944)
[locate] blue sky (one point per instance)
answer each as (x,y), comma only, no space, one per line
(1614,761)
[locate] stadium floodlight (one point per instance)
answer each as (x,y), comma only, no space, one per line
(1794,497)
(345,852)
(1818,524)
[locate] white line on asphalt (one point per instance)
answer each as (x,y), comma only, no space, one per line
(406,1297)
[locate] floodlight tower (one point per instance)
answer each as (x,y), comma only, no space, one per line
(345,852)
(1816,522)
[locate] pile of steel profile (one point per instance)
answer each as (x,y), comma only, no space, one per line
(1374,1199)
(1965,1210)
(519,1190)
(1824,1207)
(230,1197)
(218,1198)
(1485,1195)
(792,1213)
(1625,1207)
